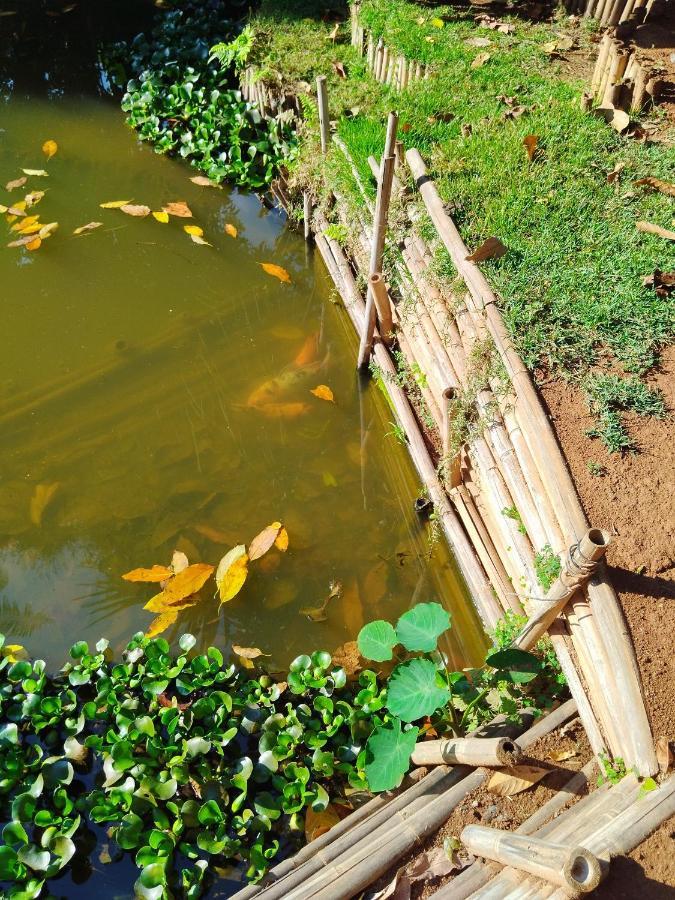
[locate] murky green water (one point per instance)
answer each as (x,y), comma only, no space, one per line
(131,369)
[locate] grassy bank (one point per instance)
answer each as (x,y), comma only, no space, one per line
(571,284)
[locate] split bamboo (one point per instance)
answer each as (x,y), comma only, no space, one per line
(467,752)
(571,867)
(324,121)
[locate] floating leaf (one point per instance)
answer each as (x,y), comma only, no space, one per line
(178,208)
(42,497)
(48,229)
(35,244)
(414,690)
(232,572)
(480,60)
(33,197)
(49,148)
(492,248)
(262,542)
(187,582)
(26,223)
(318,823)
(179,562)
(507,782)
(22,241)
(159,604)
(137,210)
(13,652)
(323,392)
(152,575)
(17,183)
(197,239)
(421,626)
(377,640)
(162,217)
(388,753)
(277,272)
(193,229)
(202,181)
(248,652)
(90,226)
(663,186)
(281,542)
(37,173)
(161,623)
(231,230)
(114,204)
(530,142)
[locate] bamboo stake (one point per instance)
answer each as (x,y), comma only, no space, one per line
(379,233)
(383,306)
(467,752)
(603,52)
(379,53)
(324,122)
(307,215)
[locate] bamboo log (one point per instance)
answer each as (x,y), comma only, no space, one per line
(383,307)
(307,215)
(578,566)
(385,64)
(639,89)
(324,122)
(635,746)
(379,234)
(601,61)
(568,866)
(467,752)
(379,54)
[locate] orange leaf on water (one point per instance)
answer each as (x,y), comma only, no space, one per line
(231,230)
(152,575)
(193,230)
(262,542)
(178,208)
(232,572)
(49,148)
(277,271)
(137,210)
(323,392)
(35,244)
(281,542)
(187,582)
(161,623)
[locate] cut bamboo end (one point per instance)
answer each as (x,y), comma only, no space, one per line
(489,752)
(383,306)
(573,868)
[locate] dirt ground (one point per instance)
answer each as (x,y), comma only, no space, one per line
(654,43)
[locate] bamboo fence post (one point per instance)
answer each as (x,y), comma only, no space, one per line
(379,54)
(567,866)
(379,234)
(383,307)
(307,215)
(324,121)
(467,752)
(636,745)
(603,51)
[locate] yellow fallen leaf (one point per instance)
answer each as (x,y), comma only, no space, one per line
(49,148)
(318,823)
(178,208)
(48,229)
(161,623)
(262,542)
(137,210)
(231,230)
(187,582)
(323,392)
(530,142)
(159,604)
(162,217)
(507,782)
(13,652)
(248,652)
(154,574)
(193,229)
(42,496)
(90,226)
(36,173)
(281,543)
(35,244)
(29,229)
(17,183)
(197,239)
(231,573)
(33,197)
(277,271)
(114,204)
(25,223)
(202,181)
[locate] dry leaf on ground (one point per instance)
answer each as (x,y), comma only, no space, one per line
(663,186)
(90,226)
(492,248)
(231,230)
(49,148)
(152,575)
(650,228)
(323,392)
(262,542)
(277,271)
(664,755)
(178,208)
(507,782)
(480,60)
(530,142)
(562,755)
(339,69)
(318,823)
(137,210)
(231,573)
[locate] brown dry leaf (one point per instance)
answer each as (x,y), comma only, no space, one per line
(153,575)
(198,239)
(550,47)
(137,210)
(178,208)
(193,229)
(478,42)
(339,69)
(231,230)
(507,782)
(492,248)
(664,755)
(179,562)
(22,241)
(318,823)
(347,657)
(613,176)
(562,755)
(323,392)
(277,272)
(232,572)
(49,148)
(203,181)
(17,183)
(650,228)
(114,204)
(33,197)
(663,186)
(90,226)
(281,543)
(162,217)
(161,623)
(262,542)
(42,497)
(530,142)
(480,60)
(248,652)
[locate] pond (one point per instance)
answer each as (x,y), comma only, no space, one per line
(155,394)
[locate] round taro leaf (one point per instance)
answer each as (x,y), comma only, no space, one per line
(377,640)
(414,691)
(420,627)
(515,665)
(388,755)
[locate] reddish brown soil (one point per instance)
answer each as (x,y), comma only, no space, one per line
(654,43)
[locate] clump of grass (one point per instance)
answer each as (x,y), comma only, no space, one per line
(597,470)
(511,512)
(610,395)
(546,566)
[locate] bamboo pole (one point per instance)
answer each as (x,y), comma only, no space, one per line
(385,65)
(467,752)
(307,215)
(379,234)
(578,566)
(636,746)
(603,51)
(571,867)
(324,121)
(377,66)
(383,307)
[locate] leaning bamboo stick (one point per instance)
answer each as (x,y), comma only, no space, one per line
(567,866)
(636,744)
(578,566)
(467,752)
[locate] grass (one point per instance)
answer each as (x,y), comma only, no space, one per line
(571,284)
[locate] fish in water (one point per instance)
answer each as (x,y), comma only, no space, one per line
(271,397)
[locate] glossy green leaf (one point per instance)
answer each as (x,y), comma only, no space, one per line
(414,691)
(377,640)
(421,626)
(388,755)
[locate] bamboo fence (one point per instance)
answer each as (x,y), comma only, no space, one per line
(386,66)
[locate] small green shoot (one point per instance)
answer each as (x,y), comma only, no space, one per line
(546,566)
